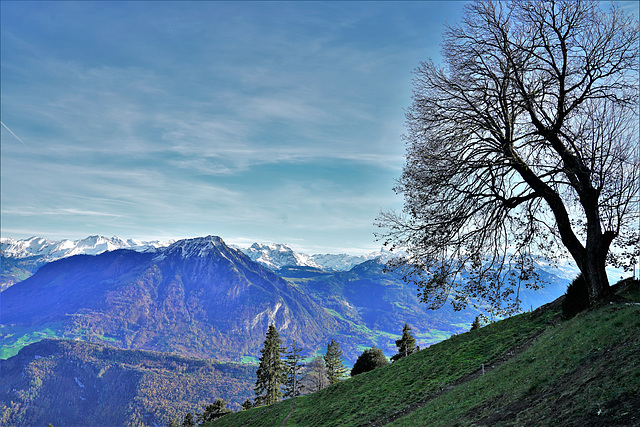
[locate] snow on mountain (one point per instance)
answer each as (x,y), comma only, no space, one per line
(277,255)
(51,250)
(272,256)
(198,247)
(344,262)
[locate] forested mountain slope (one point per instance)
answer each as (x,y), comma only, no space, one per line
(74,383)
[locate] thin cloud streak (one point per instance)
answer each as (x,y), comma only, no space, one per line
(10,131)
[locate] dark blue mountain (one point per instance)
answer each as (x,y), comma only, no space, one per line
(197,297)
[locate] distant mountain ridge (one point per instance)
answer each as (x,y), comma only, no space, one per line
(52,250)
(202,298)
(277,255)
(22,257)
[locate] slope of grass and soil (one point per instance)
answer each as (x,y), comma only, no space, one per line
(538,370)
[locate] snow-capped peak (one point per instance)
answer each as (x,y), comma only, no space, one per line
(196,247)
(52,250)
(277,255)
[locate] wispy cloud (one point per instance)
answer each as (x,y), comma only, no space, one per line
(259,119)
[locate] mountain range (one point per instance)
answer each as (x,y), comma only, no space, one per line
(276,256)
(22,257)
(52,250)
(196,297)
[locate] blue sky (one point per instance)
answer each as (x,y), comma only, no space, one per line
(254,121)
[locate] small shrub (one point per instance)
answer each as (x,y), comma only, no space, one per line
(576,299)
(369,360)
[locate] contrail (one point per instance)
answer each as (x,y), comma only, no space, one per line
(10,131)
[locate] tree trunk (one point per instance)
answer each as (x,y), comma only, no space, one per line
(594,263)
(595,276)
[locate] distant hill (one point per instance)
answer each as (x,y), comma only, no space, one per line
(73,383)
(376,305)
(14,270)
(532,369)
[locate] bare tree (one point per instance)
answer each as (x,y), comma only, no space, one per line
(523,143)
(315,378)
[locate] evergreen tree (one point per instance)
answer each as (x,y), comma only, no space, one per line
(477,324)
(246,405)
(271,373)
(369,360)
(214,411)
(333,361)
(188,420)
(293,385)
(406,345)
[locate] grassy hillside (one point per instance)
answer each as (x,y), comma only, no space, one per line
(539,370)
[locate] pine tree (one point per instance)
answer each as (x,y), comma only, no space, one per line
(214,411)
(271,373)
(247,404)
(334,362)
(477,324)
(406,345)
(188,420)
(293,385)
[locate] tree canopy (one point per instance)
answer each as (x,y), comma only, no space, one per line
(370,359)
(523,143)
(214,411)
(315,378)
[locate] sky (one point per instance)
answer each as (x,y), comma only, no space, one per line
(254,121)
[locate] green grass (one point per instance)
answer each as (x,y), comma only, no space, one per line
(13,338)
(249,360)
(539,370)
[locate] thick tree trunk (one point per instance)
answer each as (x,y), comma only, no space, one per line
(595,276)
(594,262)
